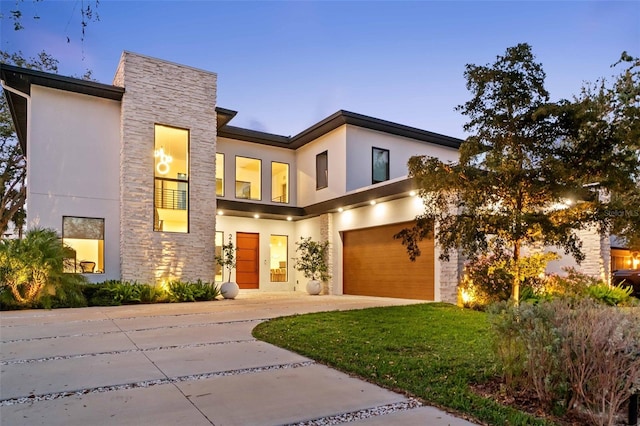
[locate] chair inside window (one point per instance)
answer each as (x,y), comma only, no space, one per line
(87,267)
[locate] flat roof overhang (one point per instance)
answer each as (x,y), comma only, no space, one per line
(379,194)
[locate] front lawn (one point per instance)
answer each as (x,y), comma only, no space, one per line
(431,351)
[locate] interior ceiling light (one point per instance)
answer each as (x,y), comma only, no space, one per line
(256,216)
(162,167)
(340,209)
(289,218)
(220,212)
(373,202)
(412,193)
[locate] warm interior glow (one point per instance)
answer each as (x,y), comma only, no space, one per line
(279,182)
(289,218)
(412,193)
(279,259)
(248,184)
(219,174)
(256,216)
(340,210)
(373,202)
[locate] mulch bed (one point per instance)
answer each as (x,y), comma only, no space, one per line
(528,402)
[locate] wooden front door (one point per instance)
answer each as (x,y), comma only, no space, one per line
(247,265)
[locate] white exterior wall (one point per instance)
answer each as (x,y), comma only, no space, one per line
(334,143)
(232,148)
(360,142)
(73,158)
(266,228)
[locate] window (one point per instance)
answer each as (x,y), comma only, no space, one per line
(171,171)
(219,175)
(279,182)
(218,251)
(380,165)
(322,170)
(248,171)
(83,239)
(279,264)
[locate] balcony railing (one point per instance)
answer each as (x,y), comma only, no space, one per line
(174,199)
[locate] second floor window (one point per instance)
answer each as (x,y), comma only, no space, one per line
(171,183)
(219,175)
(279,182)
(322,170)
(380,165)
(248,183)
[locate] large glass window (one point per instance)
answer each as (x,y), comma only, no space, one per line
(83,239)
(322,170)
(171,171)
(380,165)
(279,264)
(279,182)
(248,171)
(219,242)
(219,175)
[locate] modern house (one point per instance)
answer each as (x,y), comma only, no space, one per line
(146,178)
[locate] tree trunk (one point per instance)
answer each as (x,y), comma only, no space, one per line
(515,285)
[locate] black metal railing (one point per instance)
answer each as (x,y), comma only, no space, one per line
(174,199)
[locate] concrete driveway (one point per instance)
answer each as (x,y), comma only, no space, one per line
(184,364)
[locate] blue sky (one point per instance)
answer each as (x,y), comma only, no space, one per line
(286,65)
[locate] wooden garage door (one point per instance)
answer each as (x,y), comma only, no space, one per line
(375,264)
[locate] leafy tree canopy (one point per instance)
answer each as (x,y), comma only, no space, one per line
(532,172)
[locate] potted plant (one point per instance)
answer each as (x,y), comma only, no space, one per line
(227,260)
(312,262)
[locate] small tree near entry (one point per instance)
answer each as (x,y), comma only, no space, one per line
(510,188)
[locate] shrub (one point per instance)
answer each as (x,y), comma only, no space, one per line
(489,278)
(180,291)
(577,355)
(610,295)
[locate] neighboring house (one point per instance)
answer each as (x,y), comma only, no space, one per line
(145,179)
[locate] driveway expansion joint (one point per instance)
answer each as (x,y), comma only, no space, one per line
(149,383)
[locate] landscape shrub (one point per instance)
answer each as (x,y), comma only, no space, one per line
(577,354)
(179,291)
(610,295)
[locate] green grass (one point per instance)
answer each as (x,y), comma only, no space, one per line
(431,351)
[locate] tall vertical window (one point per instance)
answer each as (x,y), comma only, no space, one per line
(279,264)
(279,182)
(248,172)
(380,165)
(322,170)
(83,239)
(171,171)
(218,250)
(219,175)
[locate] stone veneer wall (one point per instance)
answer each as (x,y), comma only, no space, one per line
(597,250)
(160,92)
(326,232)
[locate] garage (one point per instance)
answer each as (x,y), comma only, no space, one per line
(375,264)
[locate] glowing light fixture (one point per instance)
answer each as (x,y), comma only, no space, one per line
(340,210)
(373,202)
(412,193)
(289,218)
(220,212)
(256,216)
(162,166)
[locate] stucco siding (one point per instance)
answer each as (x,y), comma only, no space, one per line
(334,143)
(73,165)
(360,142)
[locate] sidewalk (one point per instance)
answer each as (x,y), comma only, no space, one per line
(185,364)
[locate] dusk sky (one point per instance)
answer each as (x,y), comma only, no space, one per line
(286,65)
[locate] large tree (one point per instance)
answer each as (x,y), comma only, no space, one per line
(12,161)
(512,186)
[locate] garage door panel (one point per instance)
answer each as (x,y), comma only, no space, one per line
(375,264)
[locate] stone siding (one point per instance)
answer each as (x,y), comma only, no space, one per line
(160,92)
